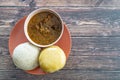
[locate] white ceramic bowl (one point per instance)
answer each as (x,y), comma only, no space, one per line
(29,18)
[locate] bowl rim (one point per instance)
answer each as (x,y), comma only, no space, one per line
(29,18)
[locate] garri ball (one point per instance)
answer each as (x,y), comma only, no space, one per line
(25,56)
(52,59)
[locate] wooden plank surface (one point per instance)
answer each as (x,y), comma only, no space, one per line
(96,53)
(81,22)
(87,63)
(76,75)
(95,29)
(80,3)
(63,3)
(15,2)
(83,46)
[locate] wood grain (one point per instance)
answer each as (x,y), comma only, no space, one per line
(90,63)
(93,53)
(96,46)
(81,22)
(63,3)
(83,46)
(80,3)
(15,2)
(95,29)
(7,75)
(76,75)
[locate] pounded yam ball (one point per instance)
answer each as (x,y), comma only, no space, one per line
(52,59)
(25,56)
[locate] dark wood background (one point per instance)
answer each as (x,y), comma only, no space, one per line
(95,29)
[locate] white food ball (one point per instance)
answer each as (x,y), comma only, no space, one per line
(25,56)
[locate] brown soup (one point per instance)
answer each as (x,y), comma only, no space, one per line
(44,28)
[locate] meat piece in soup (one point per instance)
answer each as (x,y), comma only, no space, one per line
(44,28)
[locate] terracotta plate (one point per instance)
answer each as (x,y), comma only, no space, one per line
(17,37)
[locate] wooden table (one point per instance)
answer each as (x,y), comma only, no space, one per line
(95,29)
